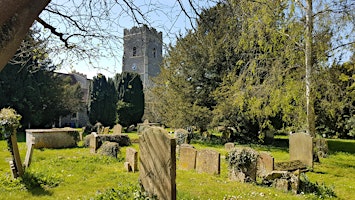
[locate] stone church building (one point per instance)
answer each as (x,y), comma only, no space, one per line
(143,47)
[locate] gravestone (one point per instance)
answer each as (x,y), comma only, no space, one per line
(16,155)
(99,128)
(117,129)
(132,159)
(109,149)
(181,136)
(208,161)
(228,146)
(265,164)
(157,163)
(242,164)
(187,158)
(321,147)
(301,148)
(93,142)
(29,153)
(106,130)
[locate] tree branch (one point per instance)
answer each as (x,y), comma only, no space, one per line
(55,32)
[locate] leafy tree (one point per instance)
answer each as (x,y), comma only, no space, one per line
(335,102)
(102,101)
(130,104)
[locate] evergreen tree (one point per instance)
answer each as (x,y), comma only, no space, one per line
(34,90)
(102,102)
(130,104)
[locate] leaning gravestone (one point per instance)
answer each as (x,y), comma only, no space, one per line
(301,148)
(208,161)
(157,164)
(187,158)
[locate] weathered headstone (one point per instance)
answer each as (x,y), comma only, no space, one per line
(181,136)
(321,147)
(242,164)
(29,153)
(157,164)
(109,149)
(187,158)
(228,146)
(117,129)
(16,155)
(132,159)
(208,161)
(99,128)
(106,130)
(301,148)
(265,164)
(93,143)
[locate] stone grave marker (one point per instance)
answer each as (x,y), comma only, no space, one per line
(106,130)
(187,158)
(243,167)
(131,159)
(93,143)
(117,129)
(301,148)
(29,153)
(16,155)
(265,164)
(157,163)
(229,145)
(208,161)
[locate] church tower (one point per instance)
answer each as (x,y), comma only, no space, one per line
(142,52)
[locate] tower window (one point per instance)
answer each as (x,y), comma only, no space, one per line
(134,51)
(154,53)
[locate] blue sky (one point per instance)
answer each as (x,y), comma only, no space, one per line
(165,16)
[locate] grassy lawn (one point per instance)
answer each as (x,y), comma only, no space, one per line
(75,173)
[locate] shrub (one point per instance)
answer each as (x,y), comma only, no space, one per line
(124,192)
(182,136)
(244,161)
(9,122)
(322,191)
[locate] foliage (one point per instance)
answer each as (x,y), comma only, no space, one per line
(124,192)
(102,101)
(130,105)
(335,100)
(182,136)
(9,122)
(37,88)
(241,159)
(320,190)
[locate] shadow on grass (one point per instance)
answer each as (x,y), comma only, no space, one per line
(342,146)
(36,185)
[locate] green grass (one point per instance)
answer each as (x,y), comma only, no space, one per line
(75,173)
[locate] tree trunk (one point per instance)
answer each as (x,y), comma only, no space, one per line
(16,17)
(309,63)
